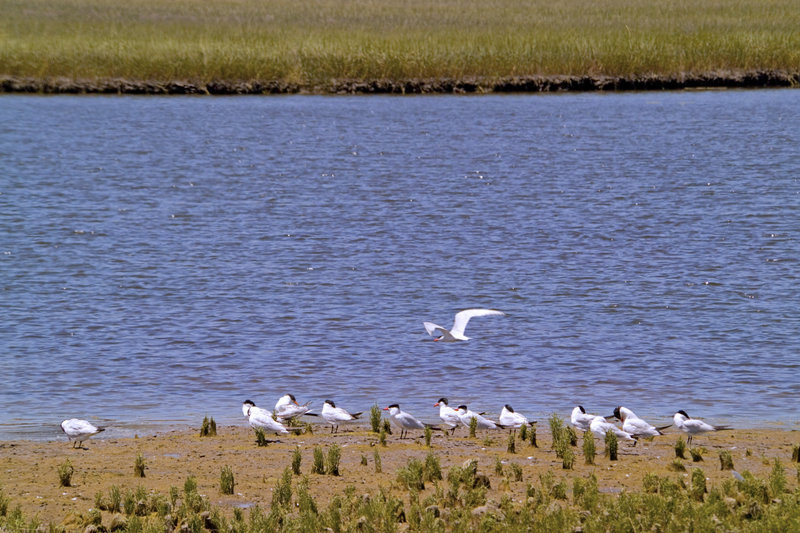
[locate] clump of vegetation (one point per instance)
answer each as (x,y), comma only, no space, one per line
(332,465)
(697,454)
(387,426)
(412,476)
(376,458)
(725,460)
(318,467)
(261,437)
(680,448)
(589,450)
(428,436)
(512,444)
(226,481)
(515,472)
(297,458)
(796,453)
(65,471)
(473,427)
(375,418)
(209,427)
(382,437)
(557,431)
(611,445)
(777,479)
(523,432)
(698,489)
(364,461)
(677,466)
(532,436)
(139,465)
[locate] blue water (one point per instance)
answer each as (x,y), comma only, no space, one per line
(163,259)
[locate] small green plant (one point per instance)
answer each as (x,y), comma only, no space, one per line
(680,448)
(697,454)
(567,458)
(557,431)
(532,436)
(611,445)
(297,459)
(139,465)
(364,460)
(433,470)
(498,467)
(282,493)
(382,437)
(376,458)
(796,454)
(226,481)
(698,489)
(412,476)
(375,418)
(677,466)
(65,471)
(523,432)
(725,460)
(571,436)
(261,437)
(589,450)
(777,479)
(209,427)
(488,441)
(319,462)
(387,427)
(650,483)
(473,427)
(516,472)
(334,454)
(512,444)
(428,436)
(114,499)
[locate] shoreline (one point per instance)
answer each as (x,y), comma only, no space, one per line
(30,478)
(472,85)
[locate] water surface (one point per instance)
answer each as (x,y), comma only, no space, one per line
(162,259)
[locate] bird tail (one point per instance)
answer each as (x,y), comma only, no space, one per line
(356,415)
(100,429)
(432,426)
(662,428)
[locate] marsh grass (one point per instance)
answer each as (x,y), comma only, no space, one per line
(523,432)
(261,437)
(382,437)
(725,460)
(310,44)
(532,437)
(796,453)
(697,454)
(698,488)
(512,443)
(139,465)
(375,418)
(332,463)
(589,450)
(65,471)
(611,445)
(208,428)
(318,467)
(376,458)
(428,436)
(226,480)
(680,448)
(473,427)
(297,459)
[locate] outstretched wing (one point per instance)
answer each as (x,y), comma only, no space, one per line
(462,318)
(432,328)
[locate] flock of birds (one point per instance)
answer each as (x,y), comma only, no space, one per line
(288,408)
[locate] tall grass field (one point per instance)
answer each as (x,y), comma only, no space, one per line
(312,43)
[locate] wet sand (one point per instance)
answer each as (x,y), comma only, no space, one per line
(29,469)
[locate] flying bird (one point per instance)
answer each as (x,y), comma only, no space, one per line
(79,430)
(456,333)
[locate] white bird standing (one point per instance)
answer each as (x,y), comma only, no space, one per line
(600,427)
(403,420)
(456,333)
(448,415)
(336,415)
(466,417)
(511,419)
(262,419)
(635,425)
(79,430)
(580,419)
(287,407)
(693,426)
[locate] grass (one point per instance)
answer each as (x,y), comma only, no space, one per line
(226,480)
(209,427)
(139,465)
(311,44)
(65,471)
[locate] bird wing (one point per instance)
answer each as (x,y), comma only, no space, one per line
(75,425)
(462,318)
(432,328)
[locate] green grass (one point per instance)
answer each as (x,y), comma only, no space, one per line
(311,44)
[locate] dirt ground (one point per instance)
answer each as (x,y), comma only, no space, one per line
(29,478)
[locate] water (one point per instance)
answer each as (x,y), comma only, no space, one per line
(163,259)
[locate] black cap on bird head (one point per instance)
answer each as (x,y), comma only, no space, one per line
(331,403)
(511,409)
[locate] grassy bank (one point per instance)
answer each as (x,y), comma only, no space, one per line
(309,45)
(358,480)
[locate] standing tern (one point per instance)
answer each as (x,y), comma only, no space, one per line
(79,430)
(262,419)
(693,426)
(600,427)
(580,419)
(635,425)
(336,415)
(403,420)
(287,407)
(448,415)
(483,423)
(456,333)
